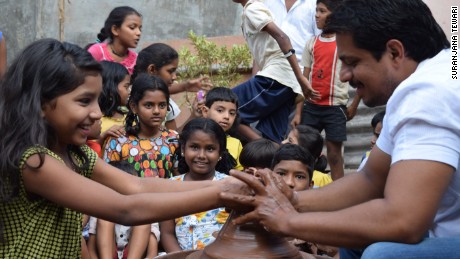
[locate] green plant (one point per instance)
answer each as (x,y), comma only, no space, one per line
(223,65)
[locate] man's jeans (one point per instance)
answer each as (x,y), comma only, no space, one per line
(447,247)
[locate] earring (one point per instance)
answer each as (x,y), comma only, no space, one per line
(220,158)
(136,122)
(182,154)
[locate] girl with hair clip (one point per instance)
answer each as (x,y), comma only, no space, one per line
(204,156)
(49,176)
(162,60)
(310,139)
(122,30)
(116,87)
(147,145)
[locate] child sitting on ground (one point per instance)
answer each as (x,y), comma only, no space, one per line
(147,145)
(310,139)
(258,154)
(204,156)
(377,125)
(295,165)
(122,233)
(162,60)
(221,106)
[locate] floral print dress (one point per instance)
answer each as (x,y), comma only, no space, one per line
(151,157)
(195,231)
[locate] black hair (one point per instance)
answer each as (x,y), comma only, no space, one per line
(116,18)
(377,118)
(296,153)
(331,5)
(124,166)
(43,71)
(310,139)
(226,95)
(112,74)
(258,153)
(210,127)
(372,23)
(157,54)
(223,94)
(142,84)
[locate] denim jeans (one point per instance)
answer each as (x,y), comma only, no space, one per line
(446,247)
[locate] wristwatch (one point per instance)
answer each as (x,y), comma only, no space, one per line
(289,53)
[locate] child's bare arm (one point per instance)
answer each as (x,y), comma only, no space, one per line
(192,85)
(2,56)
(353,107)
(115,131)
(139,241)
(168,236)
(172,125)
(105,238)
(298,115)
(136,203)
(285,45)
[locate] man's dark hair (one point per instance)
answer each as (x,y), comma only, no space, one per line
(372,23)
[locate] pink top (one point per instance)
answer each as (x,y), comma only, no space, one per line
(100,52)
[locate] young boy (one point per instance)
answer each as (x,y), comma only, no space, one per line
(269,96)
(329,112)
(221,106)
(377,125)
(295,164)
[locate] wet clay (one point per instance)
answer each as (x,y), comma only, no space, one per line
(249,240)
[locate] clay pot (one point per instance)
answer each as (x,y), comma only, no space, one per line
(250,240)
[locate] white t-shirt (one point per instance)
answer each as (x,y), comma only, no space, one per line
(299,23)
(264,48)
(422,121)
(173,112)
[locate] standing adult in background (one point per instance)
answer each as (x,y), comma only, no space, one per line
(405,203)
(296,18)
(2,55)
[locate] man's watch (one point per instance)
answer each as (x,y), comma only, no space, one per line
(289,53)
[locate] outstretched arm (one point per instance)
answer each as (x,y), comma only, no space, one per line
(353,107)
(285,45)
(168,236)
(136,203)
(400,212)
(297,115)
(192,85)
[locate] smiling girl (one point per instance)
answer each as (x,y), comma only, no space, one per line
(49,176)
(204,156)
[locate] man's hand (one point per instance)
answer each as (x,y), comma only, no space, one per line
(232,185)
(270,203)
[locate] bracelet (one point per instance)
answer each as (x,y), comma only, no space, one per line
(289,53)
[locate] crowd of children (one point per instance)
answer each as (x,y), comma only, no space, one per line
(130,124)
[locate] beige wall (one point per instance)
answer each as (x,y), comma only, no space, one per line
(441,11)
